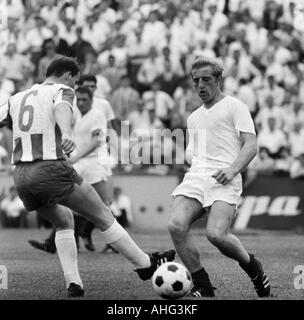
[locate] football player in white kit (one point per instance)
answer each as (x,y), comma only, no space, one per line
(86,228)
(222,141)
(90,130)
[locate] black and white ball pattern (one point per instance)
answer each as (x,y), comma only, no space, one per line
(172,280)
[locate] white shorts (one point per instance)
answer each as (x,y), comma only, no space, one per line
(207,190)
(92,171)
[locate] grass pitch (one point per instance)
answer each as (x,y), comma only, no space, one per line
(33,274)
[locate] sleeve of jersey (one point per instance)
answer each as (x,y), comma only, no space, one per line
(65,95)
(242,119)
(5,118)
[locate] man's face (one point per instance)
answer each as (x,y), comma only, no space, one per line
(155,86)
(39,23)
(69,23)
(79,33)
(50,47)
(140,105)
(91,85)
(271,123)
(269,101)
(111,61)
(11,23)
(11,49)
(297,106)
(125,83)
(55,29)
(84,102)
(212,10)
(205,83)
(236,54)
(152,17)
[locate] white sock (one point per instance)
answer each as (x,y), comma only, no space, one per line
(120,240)
(67,252)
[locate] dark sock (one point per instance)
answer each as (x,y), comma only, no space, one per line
(251,268)
(201,279)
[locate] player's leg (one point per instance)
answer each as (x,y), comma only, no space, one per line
(87,226)
(184,212)
(218,233)
(85,200)
(102,188)
(62,219)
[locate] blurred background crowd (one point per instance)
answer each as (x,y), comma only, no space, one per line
(140,52)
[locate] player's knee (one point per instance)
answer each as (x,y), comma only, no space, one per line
(215,236)
(66,221)
(102,218)
(103,221)
(177,228)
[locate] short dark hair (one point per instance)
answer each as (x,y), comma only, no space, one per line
(84,90)
(87,77)
(62,65)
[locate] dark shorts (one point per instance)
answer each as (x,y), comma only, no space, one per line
(45,183)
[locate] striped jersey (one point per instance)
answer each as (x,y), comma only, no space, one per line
(31,114)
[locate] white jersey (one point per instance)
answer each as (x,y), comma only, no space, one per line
(86,126)
(36,135)
(105,106)
(102,105)
(214,133)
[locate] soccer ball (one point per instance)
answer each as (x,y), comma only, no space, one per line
(171,280)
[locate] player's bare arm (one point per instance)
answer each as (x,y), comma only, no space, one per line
(247,153)
(64,117)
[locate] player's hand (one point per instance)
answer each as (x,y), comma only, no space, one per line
(68,145)
(224,176)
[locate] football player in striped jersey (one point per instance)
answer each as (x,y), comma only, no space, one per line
(41,120)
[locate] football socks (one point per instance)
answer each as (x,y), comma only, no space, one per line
(67,252)
(120,240)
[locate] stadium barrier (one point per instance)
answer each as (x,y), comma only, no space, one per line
(270,202)
(273,203)
(150,197)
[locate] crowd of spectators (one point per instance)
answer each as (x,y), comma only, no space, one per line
(140,51)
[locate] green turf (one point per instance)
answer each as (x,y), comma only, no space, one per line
(34,274)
